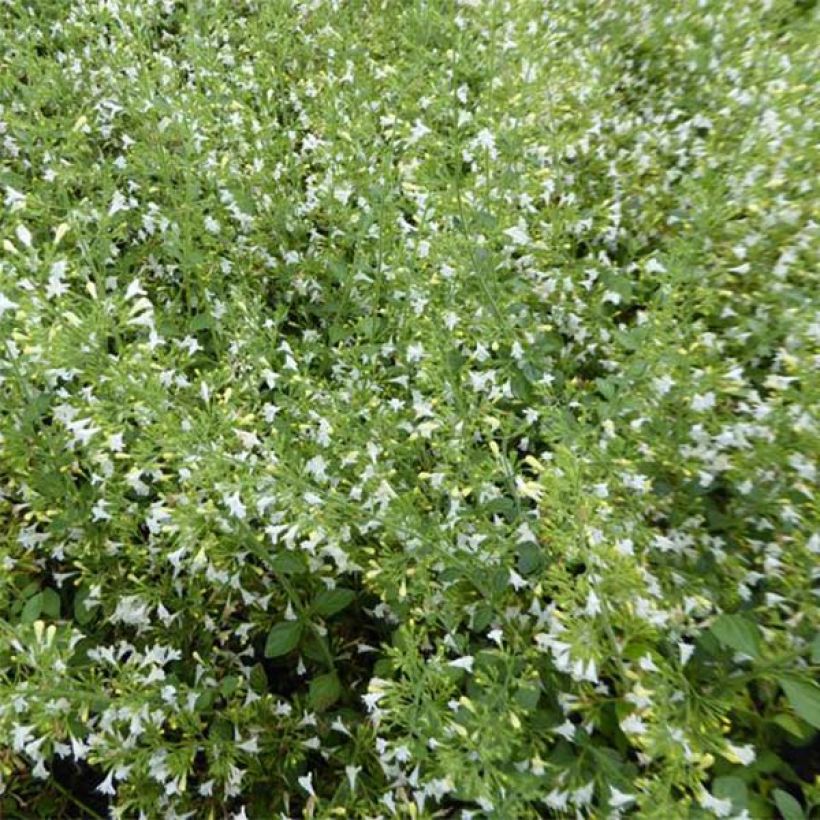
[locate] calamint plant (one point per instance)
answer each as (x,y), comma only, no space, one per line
(409,408)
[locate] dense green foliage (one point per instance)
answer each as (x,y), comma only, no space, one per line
(409,408)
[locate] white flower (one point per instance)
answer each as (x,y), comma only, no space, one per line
(235,505)
(342,193)
(306,782)
(107,786)
(496,636)
(465,662)
(134,289)
(703,402)
(6,304)
(583,796)
(118,203)
(744,755)
(593,606)
(420,130)
(557,800)
(415,352)
(352,773)
(721,808)
(24,235)
(633,725)
(518,235)
(619,798)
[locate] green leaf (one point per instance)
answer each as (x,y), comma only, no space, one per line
(815,649)
(283,638)
(527,697)
(336,333)
(732,788)
(32,609)
(804,698)
(330,601)
(738,633)
(289,563)
(229,685)
(205,701)
(482,617)
(258,679)
(82,614)
(324,691)
(51,603)
(792,725)
(787,805)
(530,558)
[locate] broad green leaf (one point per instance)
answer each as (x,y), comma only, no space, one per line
(229,685)
(324,691)
(815,649)
(787,805)
(258,678)
(51,603)
(330,601)
(804,698)
(530,558)
(205,701)
(738,633)
(289,563)
(733,788)
(283,638)
(82,614)
(791,724)
(527,697)
(32,609)
(482,617)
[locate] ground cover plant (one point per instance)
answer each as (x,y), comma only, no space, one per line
(409,409)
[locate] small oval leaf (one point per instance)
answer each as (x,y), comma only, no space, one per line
(330,601)
(738,633)
(283,638)
(325,690)
(804,698)
(787,805)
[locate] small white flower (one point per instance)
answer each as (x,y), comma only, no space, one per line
(306,782)
(235,505)
(352,773)
(118,203)
(134,289)
(6,304)
(496,636)
(24,235)
(420,130)
(744,755)
(686,651)
(633,725)
(518,235)
(618,798)
(465,662)
(415,353)
(107,786)
(700,403)
(721,808)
